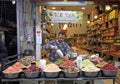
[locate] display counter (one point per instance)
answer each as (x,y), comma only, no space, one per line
(61,78)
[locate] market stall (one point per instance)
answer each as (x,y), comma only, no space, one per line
(27,69)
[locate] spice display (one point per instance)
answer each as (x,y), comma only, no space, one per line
(90,69)
(15,68)
(59,61)
(32,68)
(101,64)
(96,59)
(87,62)
(108,67)
(71,69)
(27,60)
(52,68)
(67,63)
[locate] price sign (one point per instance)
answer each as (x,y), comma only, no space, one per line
(38,37)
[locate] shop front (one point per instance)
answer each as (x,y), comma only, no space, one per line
(39,22)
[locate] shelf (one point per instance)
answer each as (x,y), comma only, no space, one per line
(117,44)
(56,79)
(105,30)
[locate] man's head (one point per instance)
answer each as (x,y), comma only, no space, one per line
(61,36)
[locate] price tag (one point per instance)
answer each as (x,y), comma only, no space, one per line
(38,37)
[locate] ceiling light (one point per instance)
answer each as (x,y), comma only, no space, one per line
(65,26)
(13,1)
(53,8)
(52,24)
(83,8)
(95,16)
(88,22)
(107,7)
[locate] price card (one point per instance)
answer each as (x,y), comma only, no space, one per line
(38,37)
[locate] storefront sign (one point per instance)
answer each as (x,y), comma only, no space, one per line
(55,16)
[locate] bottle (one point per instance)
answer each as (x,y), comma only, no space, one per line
(79,62)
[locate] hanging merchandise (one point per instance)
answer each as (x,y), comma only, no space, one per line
(34,20)
(64,30)
(76,25)
(69,24)
(80,25)
(23,20)
(44,15)
(29,46)
(34,11)
(59,25)
(73,25)
(44,18)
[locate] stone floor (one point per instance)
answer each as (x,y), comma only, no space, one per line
(106,81)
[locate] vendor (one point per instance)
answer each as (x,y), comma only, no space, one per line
(3,53)
(59,43)
(3,50)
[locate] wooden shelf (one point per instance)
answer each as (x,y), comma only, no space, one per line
(105,31)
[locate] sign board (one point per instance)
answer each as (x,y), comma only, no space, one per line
(55,16)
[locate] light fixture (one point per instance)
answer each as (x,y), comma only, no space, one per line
(88,22)
(95,16)
(83,8)
(107,7)
(65,26)
(52,24)
(13,2)
(53,8)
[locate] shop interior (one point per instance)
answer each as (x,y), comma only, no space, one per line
(97,33)
(89,32)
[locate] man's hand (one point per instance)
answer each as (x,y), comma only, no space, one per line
(66,57)
(54,47)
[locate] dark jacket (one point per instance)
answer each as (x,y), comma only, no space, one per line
(3,50)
